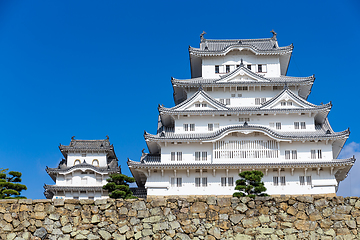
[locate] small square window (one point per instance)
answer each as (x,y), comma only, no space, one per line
(239,95)
(204,105)
(233,95)
(227,68)
(197,104)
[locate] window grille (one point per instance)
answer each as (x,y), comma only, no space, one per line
(210,127)
(186,127)
(179,156)
(263,100)
(287,154)
(204,156)
(204,181)
(308,180)
(319,154)
(257,101)
(223,181)
(276,181)
(197,156)
(245,149)
(172,156)
(296,125)
(192,127)
(278,125)
(302,180)
(313,154)
(217,69)
(228,101)
(197,182)
(227,68)
(230,181)
(303,125)
(294,154)
(259,68)
(282,180)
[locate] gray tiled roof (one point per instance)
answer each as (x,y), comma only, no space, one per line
(263,81)
(73,188)
(244,110)
(82,166)
(260,46)
(88,145)
(349,161)
(320,134)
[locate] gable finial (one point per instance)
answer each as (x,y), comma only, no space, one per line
(241,63)
(286,86)
(200,87)
(202,39)
(274,34)
(107,137)
(73,138)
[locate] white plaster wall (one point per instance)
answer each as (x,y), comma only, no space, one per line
(188,152)
(101,157)
(287,122)
(76,178)
(303,151)
(248,96)
(214,183)
(234,58)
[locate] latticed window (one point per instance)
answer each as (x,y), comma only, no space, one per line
(263,100)
(179,156)
(287,154)
(204,181)
(294,154)
(278,125)
(249,66)
(197,182)
(303,125)
(223,181)
(197,105)
(176,182)
(257,101)
(230,181)
(227,68)
(260,68)
(308,180)
(228,101)
(296,125)
(302,180)
(217,69)
(173,156)
(204,156)
(186,127)
(276,181)
(313,154)
(319,154)
(192,127)
(197,156)
(282,180)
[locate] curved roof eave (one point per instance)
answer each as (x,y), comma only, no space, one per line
(334,162)
(237,128)
(234,47)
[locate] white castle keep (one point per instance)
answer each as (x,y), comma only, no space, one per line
(239,111)
(83,171)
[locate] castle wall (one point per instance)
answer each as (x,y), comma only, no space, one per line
(183,217)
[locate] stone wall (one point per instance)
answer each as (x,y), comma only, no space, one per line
(208,217)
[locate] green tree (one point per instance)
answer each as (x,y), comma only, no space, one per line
(118,186)
(250,184)
(10,186)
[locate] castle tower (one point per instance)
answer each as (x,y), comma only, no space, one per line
(83,171)
(239,111)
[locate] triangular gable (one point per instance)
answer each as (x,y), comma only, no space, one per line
(242,74)
(200,97)
(287,99)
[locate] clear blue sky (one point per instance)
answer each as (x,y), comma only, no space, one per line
(97,68)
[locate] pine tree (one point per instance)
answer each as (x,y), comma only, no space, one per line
(10,187)
(250,184)
(118,186)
